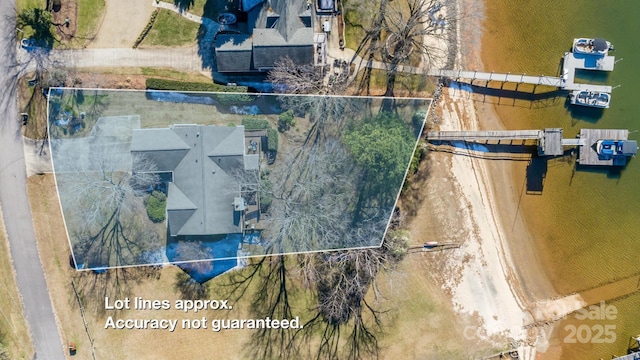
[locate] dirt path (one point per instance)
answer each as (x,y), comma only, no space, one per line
(123,21)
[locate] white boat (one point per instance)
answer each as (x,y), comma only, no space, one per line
(590,98)
(597,46)
(609,149)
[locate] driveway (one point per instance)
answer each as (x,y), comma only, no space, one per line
(122,23)
(17,215)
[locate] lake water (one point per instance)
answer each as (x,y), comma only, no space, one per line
(586,224)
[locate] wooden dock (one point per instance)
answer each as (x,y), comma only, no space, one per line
(570,64)
(589,156)
(549,140)
(491,76)
(484,135)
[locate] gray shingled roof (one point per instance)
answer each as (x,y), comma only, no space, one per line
(278,31)
(201,196)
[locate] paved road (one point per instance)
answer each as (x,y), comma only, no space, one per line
(15,206)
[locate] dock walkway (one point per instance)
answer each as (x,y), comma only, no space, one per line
(484,135)
(570,64)
(550,141)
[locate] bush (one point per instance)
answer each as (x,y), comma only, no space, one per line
(163,84)
(418,119)
(147,28)
(418,155)
(286,121)
(272,139)
(156,205)
(255,124)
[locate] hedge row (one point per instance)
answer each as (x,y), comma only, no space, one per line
(163,84)
(272,139)
(255,124)
(147,28)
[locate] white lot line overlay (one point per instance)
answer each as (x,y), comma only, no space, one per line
(405,109)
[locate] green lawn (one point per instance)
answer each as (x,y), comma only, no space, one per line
(29,4)
(406,84)
(21,5)
(353,30)
(171,29)
(89,14)
(174,74)
(195,7)
(206,8)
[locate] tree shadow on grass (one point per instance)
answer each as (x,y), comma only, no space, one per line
(190,288)
(116,283)
(183,5)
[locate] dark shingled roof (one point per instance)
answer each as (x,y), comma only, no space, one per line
(205,161)
(282,28)
(233,52)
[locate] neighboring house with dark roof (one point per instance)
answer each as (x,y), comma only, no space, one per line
(207,162)
(274,29)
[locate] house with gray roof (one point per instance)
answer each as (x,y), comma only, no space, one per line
(207,163)
(273,29)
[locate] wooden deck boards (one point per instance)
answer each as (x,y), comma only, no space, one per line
(588,155)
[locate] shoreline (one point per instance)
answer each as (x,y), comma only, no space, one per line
(500,276)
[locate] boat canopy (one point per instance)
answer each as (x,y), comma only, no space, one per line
(629,147)
(600,44)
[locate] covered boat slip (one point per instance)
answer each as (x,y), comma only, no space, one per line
(588,154)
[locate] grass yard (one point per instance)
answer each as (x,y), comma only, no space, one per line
(86,20)
(30,4)
(90,13)
(195,7)
(354,31)
(151,284)
(174,75)
(120,78)
(21,5)
(206,8)
(34,104)
(171,29)
(419,322)
(406,84)
(14,334)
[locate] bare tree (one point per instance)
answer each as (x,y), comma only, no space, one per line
(289,77)
(342,323)
(414,26)
(104,208)
(312,201)
(371,44)
(403,30)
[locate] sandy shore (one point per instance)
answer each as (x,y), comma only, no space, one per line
(494,275)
